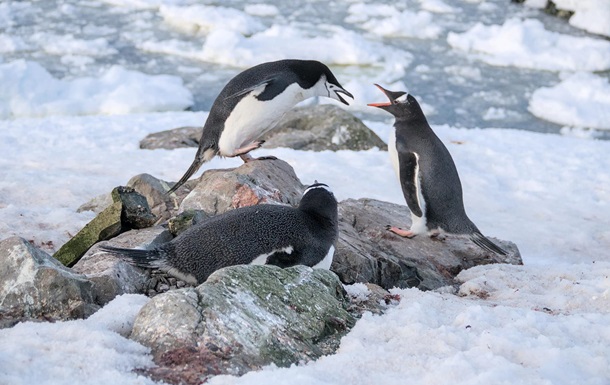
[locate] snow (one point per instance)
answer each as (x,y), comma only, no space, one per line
(66,139)
(580,100)
(527,44)
(30,90)
(95,350)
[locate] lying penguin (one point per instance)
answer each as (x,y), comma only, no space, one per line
(427,174)
(254,101)
(262,234)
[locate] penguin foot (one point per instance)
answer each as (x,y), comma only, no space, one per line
(242,152)
(401,232)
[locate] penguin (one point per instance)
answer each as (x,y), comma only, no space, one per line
(427,174)
(261,234)
(254,101)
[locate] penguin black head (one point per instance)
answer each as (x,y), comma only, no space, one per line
(313,73)
(319,200)
(402,104)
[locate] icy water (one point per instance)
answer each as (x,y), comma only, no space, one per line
(460,89)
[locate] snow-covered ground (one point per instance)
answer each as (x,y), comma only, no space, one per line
(75,101)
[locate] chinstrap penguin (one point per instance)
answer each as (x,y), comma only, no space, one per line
(254,101)
(427,174)
(262,234)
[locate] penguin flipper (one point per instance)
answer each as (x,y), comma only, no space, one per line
(485,243)
(408,180)
(261,85)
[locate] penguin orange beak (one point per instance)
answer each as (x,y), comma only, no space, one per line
(385,104)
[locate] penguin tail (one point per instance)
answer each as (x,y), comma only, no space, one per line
(150,259)
(203,155)
(486,244)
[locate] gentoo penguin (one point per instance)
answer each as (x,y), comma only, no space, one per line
(427,174)
(254,101)
(262,234)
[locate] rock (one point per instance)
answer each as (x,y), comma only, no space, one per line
(170,139)
(136,213)
(104,226)
(35,286)
(264,181)
(322,127)
(162,205)
(129,211)
(110,275)
(242,318)
(367,252)
(185,220)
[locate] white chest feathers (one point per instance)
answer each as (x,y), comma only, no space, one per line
(251,118)
(418,224)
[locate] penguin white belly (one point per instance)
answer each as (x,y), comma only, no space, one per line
(251,118)
(418,224)
(262,259)
(327,261)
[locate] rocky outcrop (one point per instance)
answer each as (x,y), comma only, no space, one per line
(110,275)
(322,127)
(263,181)
(317,128)
(35,286)
(242,318)
(367,252)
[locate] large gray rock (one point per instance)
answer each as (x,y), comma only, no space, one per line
(34,285)
(322,127)
(261,181)
(367,252)
(112,276)
(175,138)
(242,318)
(316,128)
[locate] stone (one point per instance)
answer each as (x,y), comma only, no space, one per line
(112,276)
(184,220)
(162,205)
(35,286)
(261,181)
(322,127)
(367,252)
(136,213)
(170,139)
(104,226)
(242,318)
(129,210)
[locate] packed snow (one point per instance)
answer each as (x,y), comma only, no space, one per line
(74,104)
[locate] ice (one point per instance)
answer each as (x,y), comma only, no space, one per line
(527,44)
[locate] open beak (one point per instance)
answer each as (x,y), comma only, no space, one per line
(382,104)
(342,91)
